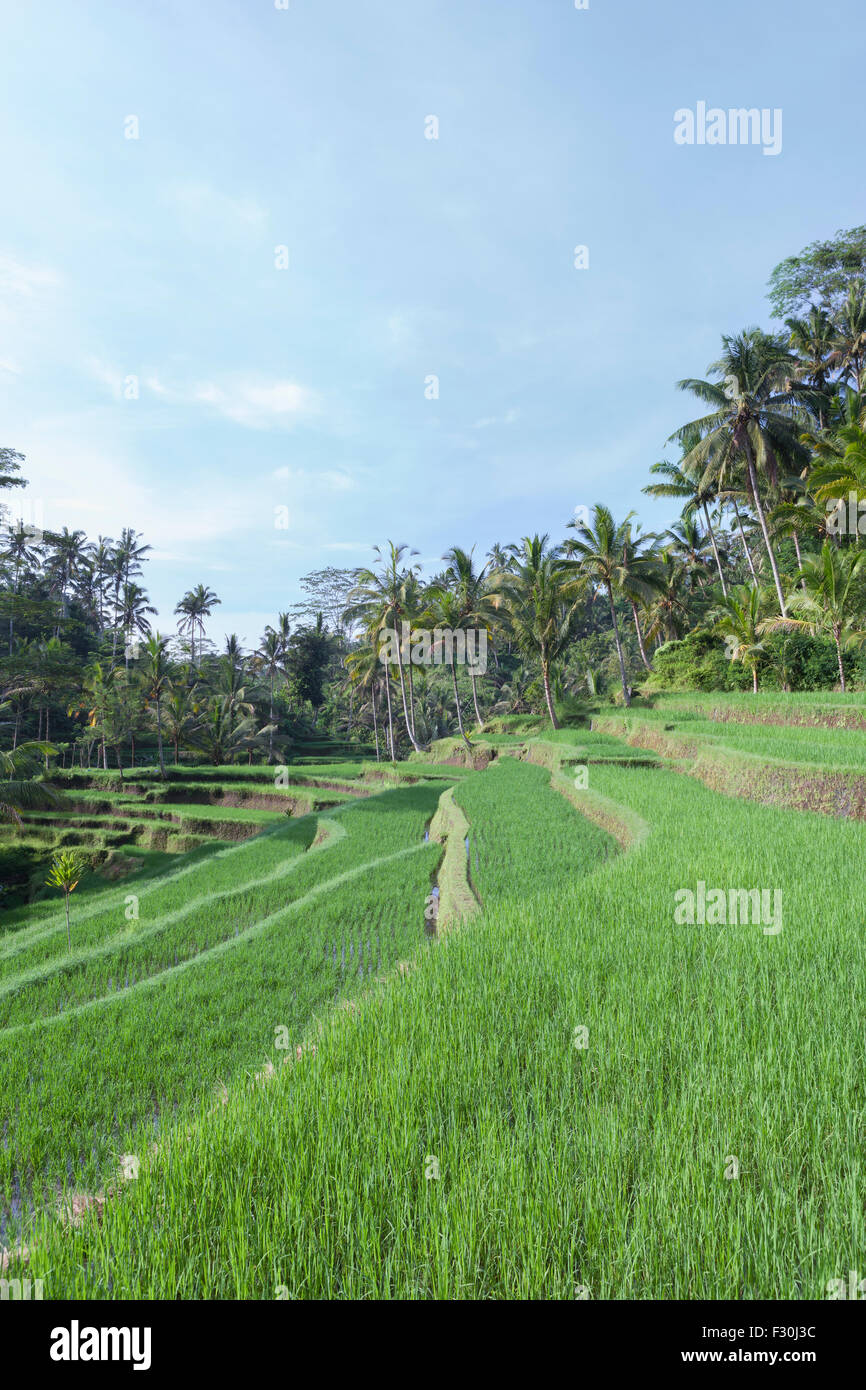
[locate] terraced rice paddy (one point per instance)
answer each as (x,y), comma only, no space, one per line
(572,1091)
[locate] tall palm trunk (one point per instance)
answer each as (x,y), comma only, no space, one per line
(159,736)
(548,694)
(114,629)
(753,484)
(625,695)
(411,699)
(390,714)
(839,659)
(457,700)
(271,722)
(712,535)
(643,655)
(410,731)
(474,680)
(375,723)
(12,607)
(746,549)
(796,541)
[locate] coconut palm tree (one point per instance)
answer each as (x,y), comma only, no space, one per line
(96,684)
(814,340)
(666,612)
(446,612)
(101,553)
(601,553)
(849,346)
(224,733)
(270,660)
(830,602)
(539,596)
(382,600)
(640,562)
(365,673)
(739,621)
(125,563)
(697,493)
(180,716)
(67,551)
(840,463)
(196,605)
(477,607)
(20,552)
(755,413)
(20,786)
(134,608)
(690,546)
(156,682)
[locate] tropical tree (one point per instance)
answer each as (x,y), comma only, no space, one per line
(849,346)
(134,608)
(666,612)
(739,621)
(839,468)
(125,562)
(698,494)
(180,716)
(756,413)
(382,602)
(365,673)
(830,602)
(601,551)
(156,683)
(270,658)
(446,613)
(539,596)
(21,553)
(196,605)
(475,602)
(640,563)
(224,734)
(20,786)
(814,340)
(96,684)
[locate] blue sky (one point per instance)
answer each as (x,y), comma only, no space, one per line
(304,388)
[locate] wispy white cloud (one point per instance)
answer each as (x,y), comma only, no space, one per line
(98,490)
(24,281)
(259,404)
(254,403)
(509,418)
(332,479)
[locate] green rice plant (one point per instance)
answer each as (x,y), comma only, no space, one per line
(571,1093)
(217,958)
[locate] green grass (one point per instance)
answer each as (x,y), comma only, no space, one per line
(523,835)
(312,927)
(602,1166)
(808,745)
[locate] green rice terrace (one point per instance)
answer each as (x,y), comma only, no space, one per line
(435,1029)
